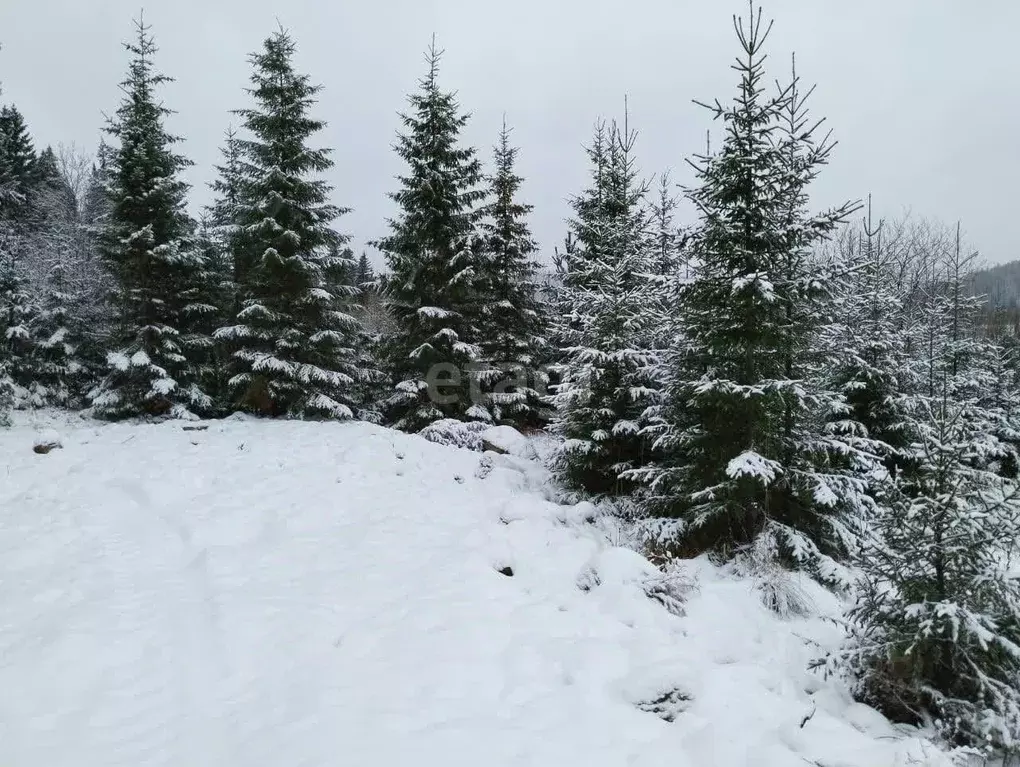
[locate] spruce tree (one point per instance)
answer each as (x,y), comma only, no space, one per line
(513,321)
(6,377)
(17,163)
(18,308)
(293,342)
(96,284)
(1001,397)
(9,285)
(748,456)
(58,374)
(18,301)
(868,362)
(347,272)
(209,301)
(433,249)
(18,311)
(148,246)
(669,238)
(936,626)
(219,239)
(365,273)
(95,204)
(669,269)
(607,324)
(221,225)
(580,244)
(8,198)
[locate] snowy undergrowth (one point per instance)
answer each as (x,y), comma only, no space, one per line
(270,593)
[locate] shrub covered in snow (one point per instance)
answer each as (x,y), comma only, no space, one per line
(619,571)
(449,431)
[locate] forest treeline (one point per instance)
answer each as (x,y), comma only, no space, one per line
(788,390)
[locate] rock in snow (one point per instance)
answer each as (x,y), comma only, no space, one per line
(506,440)
(297,602)
(47,440)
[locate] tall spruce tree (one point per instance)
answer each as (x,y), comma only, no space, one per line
(58,374)
(607,323)
(669,238)
(210,303)
(6,377)
(17,165)
(579,245)
(6,373)
(8,198)
(513,320)
(669,269)
(18,310)
(219,238)
(147,243)
(95,203)
(433,249)
(293,342)
(223,214)
(868,363)
(747,455)
(96,283)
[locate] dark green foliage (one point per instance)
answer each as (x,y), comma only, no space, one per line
(17,165)
(221,223)
(147,244)
(433,289)
(18,311)
(293,342)
(513,320)
(209,300)
(364,274)
(606,323)
(748,451)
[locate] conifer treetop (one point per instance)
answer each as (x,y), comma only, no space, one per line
(150,192)
(438,198)
(508,214)
(281,122)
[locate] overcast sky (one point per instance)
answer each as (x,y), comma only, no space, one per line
(921,94)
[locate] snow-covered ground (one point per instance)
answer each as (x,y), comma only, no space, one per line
(282,593)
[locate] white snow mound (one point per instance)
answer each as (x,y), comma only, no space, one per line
(509,440)
(284,593)
(48,438)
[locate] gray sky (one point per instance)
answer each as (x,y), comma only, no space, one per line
(921,94)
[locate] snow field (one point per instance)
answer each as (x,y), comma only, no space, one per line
(285,593)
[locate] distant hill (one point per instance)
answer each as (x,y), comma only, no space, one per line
(1001,284)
